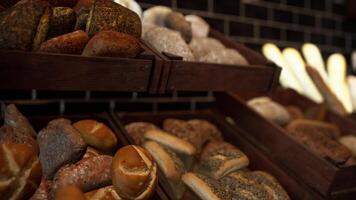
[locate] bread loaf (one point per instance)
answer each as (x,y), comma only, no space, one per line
(96,134)
(176,21)
(350,142)
(63,3)
(20,171)
(136,131)
(208,130)
(81,22)
(60,144)
(105,193)
(62,21)
(83,5)
(318,141)
(270,110)
(70,43)
(42,192)
(200,28)
(70,192)
(294,112)
(110,16)
(156,15)
(170,164)
(113,44)
(20,28)
(87,174)
(91,153)
(201,46)
(224,56)
(134,173)
(220,158)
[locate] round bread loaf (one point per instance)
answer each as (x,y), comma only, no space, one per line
(70,192)
(200,28)
(134,173)
(96,134)
(176,21)
(112,44)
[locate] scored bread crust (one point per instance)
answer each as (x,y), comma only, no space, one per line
(172,142)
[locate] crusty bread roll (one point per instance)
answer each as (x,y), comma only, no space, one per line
(70,192)
(170,141)
(201,46)
(200,28)
(350,142)
(113,44)
(70,43)
(20,171)
(185,131)
(331,100)
(205,188)
(171,166)
(176,21)
(220,158)
(224,56)
(42,192)
(270,110)
(91,152)
(105,193)
(156,15)
(96,134)
(208,130)
(134,173)
(62,21)
(87,174)
(136,131)
(110,16)
(317,140)
(60,144)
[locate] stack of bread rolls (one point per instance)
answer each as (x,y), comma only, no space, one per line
(322,138)
(198,164)
(81,27)
(185,36)
(70,161)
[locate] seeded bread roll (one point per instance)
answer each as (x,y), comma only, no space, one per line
(204,187)
(105,193)
(313,126)
(110,16)
(270,110)
(42,192)
(62,21)
(87,174)
(208,130)
(219,159)
(96,134)
(20,171)
(185,131)
(176,21)
(171,166)
(113,44)
(70,43)
(70,192)
(134,173)
(136,131)
(350,142)
(317,141)
(60,144)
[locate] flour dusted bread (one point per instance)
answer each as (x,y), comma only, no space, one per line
(136,131)
(200,28)
(176,21)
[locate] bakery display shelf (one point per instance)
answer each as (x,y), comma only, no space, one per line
(258,159)
(39,122)
(47,71)
(331,180)
(259,76)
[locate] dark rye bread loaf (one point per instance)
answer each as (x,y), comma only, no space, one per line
(107,15)
(62,21)
(60,144)
(25,25)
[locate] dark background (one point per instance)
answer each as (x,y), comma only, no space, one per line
(287,23)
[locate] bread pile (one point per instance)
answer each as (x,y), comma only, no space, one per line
(70,162)
(199,164)
(81,27)
(322,138)
(185,36)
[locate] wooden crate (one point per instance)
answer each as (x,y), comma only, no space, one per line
(260,76)
(331,180)
(258,160)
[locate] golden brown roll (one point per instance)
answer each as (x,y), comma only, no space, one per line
(205,187)
(318,140)
(87,174)
(136,131)
(185,131)
(270,110)
(170,164)
(91,152)
(20,171)
(208,130)
(134,173)
(220,158)
(112,44)
(96,134)
(70,192)
(105,193)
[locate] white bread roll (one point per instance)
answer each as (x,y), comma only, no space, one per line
(200,27)
(156,15)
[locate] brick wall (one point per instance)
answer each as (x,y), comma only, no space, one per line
(252,22)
